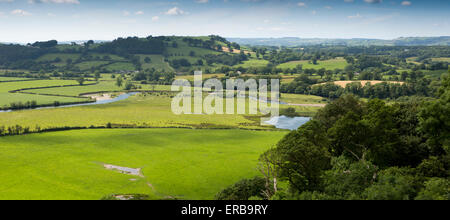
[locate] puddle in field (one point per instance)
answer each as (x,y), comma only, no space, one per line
(284,122)
(124,170)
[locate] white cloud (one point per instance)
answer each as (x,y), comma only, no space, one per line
(354,16)
(139,13)
(202,1)
(155,18)
(406,3)
(175,11)
(20,12)
(126,13)
(301,4)
(76,2)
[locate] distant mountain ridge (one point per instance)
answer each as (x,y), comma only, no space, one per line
(295,41)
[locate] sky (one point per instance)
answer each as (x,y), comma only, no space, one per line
(25,21)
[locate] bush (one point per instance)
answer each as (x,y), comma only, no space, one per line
(243,190)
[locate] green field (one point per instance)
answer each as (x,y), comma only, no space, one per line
(10,79)
(121,66)
(7,98)
(253,63)
(87,65)
(140,110)
(157,62)
(338,63)
(68,165)
(102,86)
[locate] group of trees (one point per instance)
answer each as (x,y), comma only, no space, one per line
(132,45)
(360,150)
(415,84)
(152,76)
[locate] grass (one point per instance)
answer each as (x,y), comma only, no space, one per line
(302,99)
(68,165)
(140,110)
(87,65)
(253,63)
(157,62)
(338,63)
(10,79)
(119,66)
(102,86)
(63,56)
(7,98)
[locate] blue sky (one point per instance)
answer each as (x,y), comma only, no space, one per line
(66,20)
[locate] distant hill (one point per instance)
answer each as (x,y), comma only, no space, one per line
(163,53)
(294,41)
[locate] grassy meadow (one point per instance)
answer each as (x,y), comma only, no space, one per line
(6,98)
(69,165)
(338,63)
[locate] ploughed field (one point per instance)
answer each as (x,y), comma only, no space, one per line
(174,163)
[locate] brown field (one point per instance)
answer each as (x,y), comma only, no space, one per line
(226,49)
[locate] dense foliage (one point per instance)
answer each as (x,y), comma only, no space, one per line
(366,150)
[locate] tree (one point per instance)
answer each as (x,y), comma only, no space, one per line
(303,156)
(119,81)
(243,190)
(393,184)
(97,76)
(81,81)
(129,85)
(435,120)
(147,60)
(435,189)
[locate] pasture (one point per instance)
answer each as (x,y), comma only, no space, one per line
(338,63)
(69,165)
(6,98)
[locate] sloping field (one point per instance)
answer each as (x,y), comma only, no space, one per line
(338,63)
(71,164)
(6,98)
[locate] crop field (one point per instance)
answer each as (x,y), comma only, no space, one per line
(338,63)
(7,98)
(441,59)
(69,165)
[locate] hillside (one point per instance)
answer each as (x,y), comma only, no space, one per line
(166,54)
(294,41)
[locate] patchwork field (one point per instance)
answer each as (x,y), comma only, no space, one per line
(69,165)
(6,98)
(338,63)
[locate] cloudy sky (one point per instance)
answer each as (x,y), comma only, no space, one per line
(66,20)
